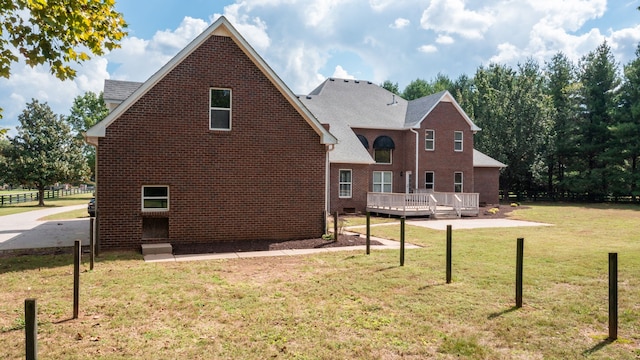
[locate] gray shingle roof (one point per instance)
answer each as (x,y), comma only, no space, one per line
(482,160)
(117,90)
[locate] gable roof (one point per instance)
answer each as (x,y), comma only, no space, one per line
(221,27)
(116,91)
(482,160)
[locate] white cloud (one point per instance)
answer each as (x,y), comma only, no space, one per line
(569,14)
(444,39)
(400,23)
(341,73)
(428,49)
(451,16)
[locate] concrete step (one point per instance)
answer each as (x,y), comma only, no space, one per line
(445,215)
(155,249)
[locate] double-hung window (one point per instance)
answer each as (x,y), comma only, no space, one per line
(155,198)
(457,182)
(345,184)
(429,180)
(430,140)
(220,109)
(382,181)
(457,140)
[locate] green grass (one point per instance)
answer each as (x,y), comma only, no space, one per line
(348,305)
(75,199)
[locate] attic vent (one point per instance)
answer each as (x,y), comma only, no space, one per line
(332,79)
(345,80)
(308,97)
(357,81)
(369,82)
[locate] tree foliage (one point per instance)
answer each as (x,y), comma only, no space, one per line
(392,87)
(86,111)
(57,32)
(44,152)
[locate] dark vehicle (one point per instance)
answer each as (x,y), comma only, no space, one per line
(91,207)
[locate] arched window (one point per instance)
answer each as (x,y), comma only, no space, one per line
(382,148)
(364,141)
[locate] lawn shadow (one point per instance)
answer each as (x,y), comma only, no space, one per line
(432,285)
(500,313)
(597,347)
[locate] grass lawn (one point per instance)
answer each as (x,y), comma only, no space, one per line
(347,305)
(68,200)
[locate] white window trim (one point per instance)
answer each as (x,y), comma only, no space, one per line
(461,183)
(340,183)
(218,108)
(143,198)
(382,183)
(433,184)
(461,141)
(433,140)
(390,157)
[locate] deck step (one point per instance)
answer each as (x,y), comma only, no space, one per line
(445,215)
(155,249)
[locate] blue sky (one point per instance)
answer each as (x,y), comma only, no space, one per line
(306,41)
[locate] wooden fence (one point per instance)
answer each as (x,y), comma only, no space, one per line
(48,194)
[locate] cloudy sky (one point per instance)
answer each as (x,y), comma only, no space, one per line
(306,41)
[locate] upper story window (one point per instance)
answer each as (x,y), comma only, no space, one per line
(220,109)
(457,140)
(382,149)
(155,198)
(430,140)
(345,184)
(457,182)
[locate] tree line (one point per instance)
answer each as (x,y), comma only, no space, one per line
(567,130)
(49,148)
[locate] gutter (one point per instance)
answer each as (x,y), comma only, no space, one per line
(327,186)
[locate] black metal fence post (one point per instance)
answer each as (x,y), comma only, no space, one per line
(613,296)
(31,329)
(448,254)
(402,241)
(519,269)
(368,232)
(76,278)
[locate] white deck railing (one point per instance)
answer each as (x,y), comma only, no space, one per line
(462,203)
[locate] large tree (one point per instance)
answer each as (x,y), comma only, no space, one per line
(45,152)
(86,111)
(599,81)
(563,88)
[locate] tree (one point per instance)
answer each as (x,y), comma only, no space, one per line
(416,89)
(4,164)
(86,111)
(44,152)
(626,130)
(563,88)
(57,32)
(599,81)
(389,86)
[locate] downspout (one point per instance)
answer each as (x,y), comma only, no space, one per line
(417,153)
(327,186)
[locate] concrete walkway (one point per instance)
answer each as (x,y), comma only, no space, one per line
(25,231)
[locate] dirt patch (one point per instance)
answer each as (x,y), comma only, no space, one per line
(264,245)
(502,212)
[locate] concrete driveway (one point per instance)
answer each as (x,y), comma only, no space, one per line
(25,231)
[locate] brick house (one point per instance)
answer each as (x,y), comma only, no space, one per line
(212,147)
(390,145)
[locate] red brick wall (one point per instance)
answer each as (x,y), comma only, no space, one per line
(264,179)
(444,161)
(360,177)
(487,183)
(398,158)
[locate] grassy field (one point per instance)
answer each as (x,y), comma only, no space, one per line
(348,305)
(75,199)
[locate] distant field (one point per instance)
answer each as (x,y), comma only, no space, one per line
(347,305)
(75,199)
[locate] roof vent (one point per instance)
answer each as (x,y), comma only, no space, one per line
(393,102)
(332,79)
(309,97)
(357,81)
(345,80)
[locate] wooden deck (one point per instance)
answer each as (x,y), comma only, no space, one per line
(432,204)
